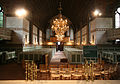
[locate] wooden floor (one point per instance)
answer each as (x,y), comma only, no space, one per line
(12,71)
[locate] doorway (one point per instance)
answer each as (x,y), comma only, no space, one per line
(59,46)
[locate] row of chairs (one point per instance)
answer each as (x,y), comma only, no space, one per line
(66,71)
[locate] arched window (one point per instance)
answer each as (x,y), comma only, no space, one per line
(1,17)
(48,34)
(117,18)
(71,34)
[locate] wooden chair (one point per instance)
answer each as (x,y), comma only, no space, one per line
(97,75)
(43,68)
(78,74)
(66,73)
(62,68)
(53,66)
(105,74)
(55,76)
(72,68)
(54,71)
(44,71)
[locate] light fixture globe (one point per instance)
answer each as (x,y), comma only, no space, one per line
(21,12)
(118,10)
(97,13)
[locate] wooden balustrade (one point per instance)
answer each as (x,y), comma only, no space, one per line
(41,56)
(113,34)
(74,55)
(5,33)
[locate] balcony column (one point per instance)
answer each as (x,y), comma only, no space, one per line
(38,36)
(88,30)
(30,33)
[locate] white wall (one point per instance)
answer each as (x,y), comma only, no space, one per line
(92,25)
(26,30)
(84,34)
(78,38)
(20,27)
(26,24)
(40,37)
(24,34)
(14,22)
(71,34)
(98,28)
(34,29)
(101,37)
(104,23)
(35,35)
(17,37)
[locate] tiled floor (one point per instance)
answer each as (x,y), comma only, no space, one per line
(57,57)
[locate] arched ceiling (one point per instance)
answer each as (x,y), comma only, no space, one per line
(41,11)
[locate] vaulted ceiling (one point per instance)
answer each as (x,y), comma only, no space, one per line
(41,11)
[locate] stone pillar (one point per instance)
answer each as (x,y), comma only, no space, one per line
(30,33)
(38,36)
(81,36)
(88,30)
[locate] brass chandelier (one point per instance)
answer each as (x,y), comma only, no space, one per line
(60,25)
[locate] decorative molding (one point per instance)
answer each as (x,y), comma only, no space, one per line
(102,29)
(15,28)
(25,30)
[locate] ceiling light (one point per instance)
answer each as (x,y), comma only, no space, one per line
(100,14)
(21,12)
(118,10)
(97,13)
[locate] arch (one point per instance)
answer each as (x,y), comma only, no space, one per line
(48,34)
(117,18)
(71,34)
(1,16)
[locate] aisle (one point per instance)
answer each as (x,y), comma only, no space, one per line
(57,57)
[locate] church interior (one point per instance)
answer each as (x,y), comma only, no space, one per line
(60,40)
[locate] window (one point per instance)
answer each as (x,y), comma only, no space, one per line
(71,34)
(1,17)
(48,34)
(25,38)
(58,43)
(93,38)
(117,18)
(35,40)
